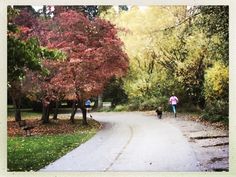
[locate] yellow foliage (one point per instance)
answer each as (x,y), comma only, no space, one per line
(142,37)
(216,80)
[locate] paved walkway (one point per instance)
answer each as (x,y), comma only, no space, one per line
(130,142)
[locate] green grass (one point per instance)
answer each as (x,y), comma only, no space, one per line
(33,153)
(25,113)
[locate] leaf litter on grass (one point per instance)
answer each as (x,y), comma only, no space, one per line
(61,126)
(47,143)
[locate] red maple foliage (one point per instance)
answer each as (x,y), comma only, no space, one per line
(94,55)
(27,22)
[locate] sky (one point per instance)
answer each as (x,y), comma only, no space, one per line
(37,7)
(115,7)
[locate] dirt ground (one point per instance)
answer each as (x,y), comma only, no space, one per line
(210,141)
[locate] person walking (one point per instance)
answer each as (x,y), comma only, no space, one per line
(88,106)
(173,102)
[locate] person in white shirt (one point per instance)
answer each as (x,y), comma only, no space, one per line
(173,101)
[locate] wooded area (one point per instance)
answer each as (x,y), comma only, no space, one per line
(136,57)
(178,49)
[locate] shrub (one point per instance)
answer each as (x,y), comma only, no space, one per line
(215,118)
(217,89)
(119,108)
(144,104)
(149,104)
(134,104)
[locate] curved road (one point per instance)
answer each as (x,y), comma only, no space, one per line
(130,141)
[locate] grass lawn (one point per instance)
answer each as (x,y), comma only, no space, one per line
(33,153)
(29,114)
(48,143)
(25,114)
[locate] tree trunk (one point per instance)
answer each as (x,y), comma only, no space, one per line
(15,92)
(100,101)
(17,104)
(201,103)
(46,113)
(74,110)
(84,113)
(56,110)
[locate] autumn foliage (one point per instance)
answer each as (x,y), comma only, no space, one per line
(92,55)
(93,50)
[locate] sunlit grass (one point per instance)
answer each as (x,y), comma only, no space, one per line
(25,114)
(35,152)
(30,114)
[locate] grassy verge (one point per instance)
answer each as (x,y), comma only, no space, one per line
(35,152)
(29,113)
(25,114)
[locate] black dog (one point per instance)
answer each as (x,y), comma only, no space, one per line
(159,112)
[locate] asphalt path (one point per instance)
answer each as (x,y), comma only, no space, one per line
(130,141)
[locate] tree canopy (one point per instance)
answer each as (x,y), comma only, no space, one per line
(24,53)
(175,49)
(91,54)
(73,52)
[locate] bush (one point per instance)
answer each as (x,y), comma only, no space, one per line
(134,104)
(215,118)
(148,105)
(104,109)
(218,107)
(120,108)
(144,104)
(188,107)
(217,89)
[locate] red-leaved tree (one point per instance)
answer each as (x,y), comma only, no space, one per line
(47,86)
(94,55)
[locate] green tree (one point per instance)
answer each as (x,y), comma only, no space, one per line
(21,55)
(214,20)
(171,48)
(115,92)
(144,38)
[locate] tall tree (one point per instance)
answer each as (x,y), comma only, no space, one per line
(174,48)
(94,53)
(115,92)
(24,52)
(47,88)
(89,11)
(123,8)
(147,69)
(214,21)
(21,55)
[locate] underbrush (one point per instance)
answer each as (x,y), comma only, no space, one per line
(215,118)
